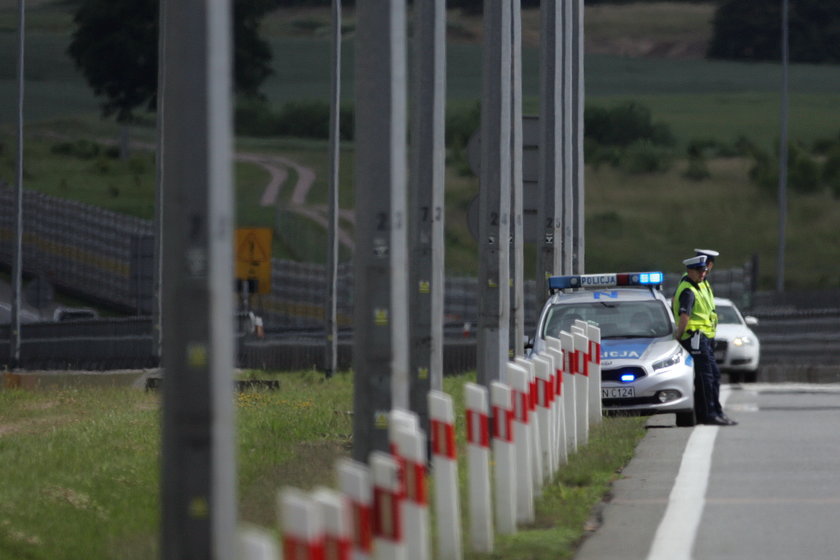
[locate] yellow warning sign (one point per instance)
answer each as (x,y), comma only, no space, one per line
(253,257)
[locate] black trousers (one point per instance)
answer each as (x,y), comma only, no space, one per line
(706,378)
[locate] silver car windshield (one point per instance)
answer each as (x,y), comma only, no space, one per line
(626,319)
(727,314)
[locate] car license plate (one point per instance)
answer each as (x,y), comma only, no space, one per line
(618,392)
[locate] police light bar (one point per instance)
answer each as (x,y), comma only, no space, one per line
(605,280)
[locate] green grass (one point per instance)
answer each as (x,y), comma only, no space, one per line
(81,467)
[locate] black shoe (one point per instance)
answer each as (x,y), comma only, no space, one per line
(729,420)
(716,421)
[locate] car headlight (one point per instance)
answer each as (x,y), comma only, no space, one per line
(671,360)
(741,341)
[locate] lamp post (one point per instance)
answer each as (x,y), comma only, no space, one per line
(783,153)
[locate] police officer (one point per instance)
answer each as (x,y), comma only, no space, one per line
(693,314)
(706,287)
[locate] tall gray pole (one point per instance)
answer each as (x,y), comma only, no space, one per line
(495,196)
(380,337)
(157,277)
(517,259)
(783,152)
(331,326)
(578,190)
(549,214)
(198,479)
(426,192)
(17,250)
(567,188)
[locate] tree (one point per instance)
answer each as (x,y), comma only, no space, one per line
(750,30)
(115,46)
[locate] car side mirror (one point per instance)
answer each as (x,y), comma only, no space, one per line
(751,321)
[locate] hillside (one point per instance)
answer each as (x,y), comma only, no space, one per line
(649,53)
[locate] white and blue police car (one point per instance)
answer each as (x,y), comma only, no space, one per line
(644,370)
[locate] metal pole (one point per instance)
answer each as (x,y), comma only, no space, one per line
(783,152)
(568,140)
(428,155)
(578,214)
(517,259)
(198,479)
(549,214)
(157,279)
(495,196)
(380,338)
(17,250)
(331,325)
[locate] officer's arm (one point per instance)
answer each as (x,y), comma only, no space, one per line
(681,326)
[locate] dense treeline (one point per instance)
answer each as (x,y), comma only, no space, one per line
(750,30)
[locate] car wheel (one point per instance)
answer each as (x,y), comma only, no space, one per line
(750,376)
(686,419)
(735,377)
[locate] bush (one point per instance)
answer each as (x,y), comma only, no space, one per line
(623,125)
(643,156)
(82,149)
(304,119)
(697,169)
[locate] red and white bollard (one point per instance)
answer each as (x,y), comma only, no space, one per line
(545,397)
(504,477)
(354,482)
(567,342)
(521,387)
(478,468)
(555,350)
(533,426)
(335,512)
(388,541)
(582,386)
(445,470)
(415,504)
(256,543)
(301,526)
(596,414)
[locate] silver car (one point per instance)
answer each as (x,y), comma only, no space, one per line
(643,369)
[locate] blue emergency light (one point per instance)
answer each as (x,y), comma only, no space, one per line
(608,280)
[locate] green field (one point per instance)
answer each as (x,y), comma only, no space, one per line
(82,467)
(631,219)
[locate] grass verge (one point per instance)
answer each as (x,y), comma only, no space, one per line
(81,467)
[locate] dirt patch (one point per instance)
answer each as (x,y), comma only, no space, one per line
(313,465)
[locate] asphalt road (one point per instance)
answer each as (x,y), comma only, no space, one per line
(770,488)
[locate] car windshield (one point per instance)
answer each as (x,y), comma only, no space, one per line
(626,319)
(727,314)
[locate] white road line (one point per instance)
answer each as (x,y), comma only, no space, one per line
(677,531)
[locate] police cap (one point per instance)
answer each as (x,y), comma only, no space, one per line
(710,254)
(695,262)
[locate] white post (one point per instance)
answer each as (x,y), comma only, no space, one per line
(411,444)
(520,386)
(503,453)
(478,463)
(533,426)
(399,418)
(593,333)
(387,495)
(567,342)
(257,544)
(301,526)
(354,481)
(554,349)
(445,470)
(335,512)
(582,387)
(545,392)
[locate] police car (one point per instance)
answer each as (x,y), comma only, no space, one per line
(643,369)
